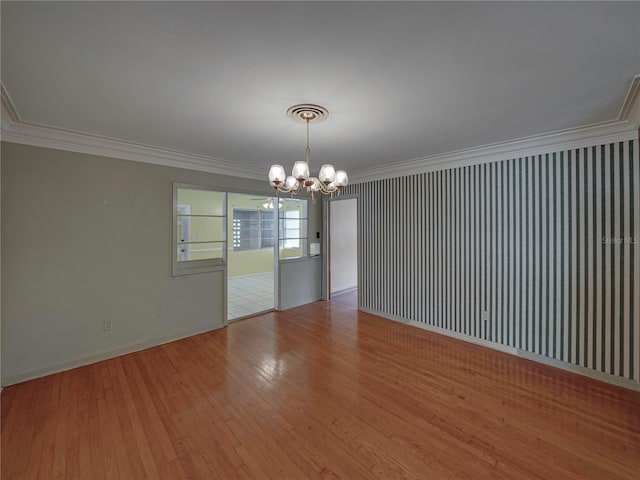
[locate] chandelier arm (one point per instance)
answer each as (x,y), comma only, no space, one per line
(293,190)
(281,188)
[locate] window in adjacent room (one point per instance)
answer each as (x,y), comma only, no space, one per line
(252,229)
(199,220)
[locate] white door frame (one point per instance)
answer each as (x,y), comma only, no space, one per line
(326,236)
(276,245)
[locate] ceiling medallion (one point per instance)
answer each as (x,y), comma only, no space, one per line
(328,181)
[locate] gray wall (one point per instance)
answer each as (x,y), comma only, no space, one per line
(294,278)
(539,255)
(87,239)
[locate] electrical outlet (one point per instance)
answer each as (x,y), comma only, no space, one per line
(485,315)
(106,326)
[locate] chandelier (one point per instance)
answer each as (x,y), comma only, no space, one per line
(328,181)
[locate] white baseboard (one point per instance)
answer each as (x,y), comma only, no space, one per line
(98,357)
(587,372)
(580,370)
(344,290)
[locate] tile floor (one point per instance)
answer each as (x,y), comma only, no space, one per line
(249,294)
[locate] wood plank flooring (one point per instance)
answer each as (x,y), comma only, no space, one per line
(325,392)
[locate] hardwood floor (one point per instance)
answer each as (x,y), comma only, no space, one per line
(321,391)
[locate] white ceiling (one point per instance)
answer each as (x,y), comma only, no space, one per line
(401,80)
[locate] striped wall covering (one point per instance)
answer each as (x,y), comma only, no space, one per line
(548,246)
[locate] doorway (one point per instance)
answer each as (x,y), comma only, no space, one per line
(343,246)
(251,255)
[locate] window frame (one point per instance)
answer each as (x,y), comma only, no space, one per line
(262,214)
(283,231)
(190,267)
(303,241)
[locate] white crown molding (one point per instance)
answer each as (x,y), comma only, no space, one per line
(48,137)
(16,131)
(500,151)
(9,113)
(625,127)
(632,100)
